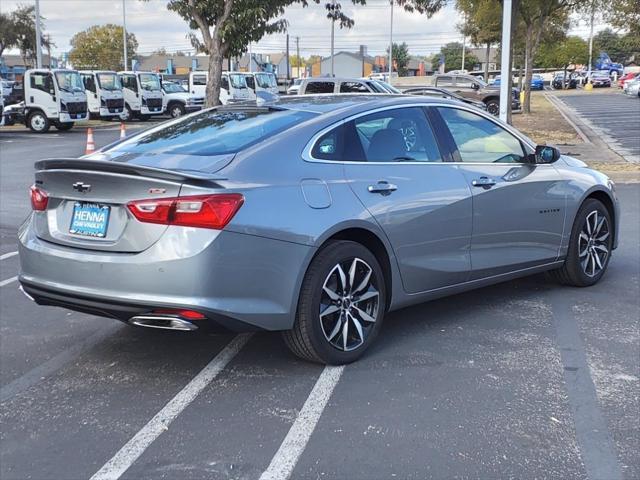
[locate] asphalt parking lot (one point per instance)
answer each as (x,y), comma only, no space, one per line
(525,379)
(612,114)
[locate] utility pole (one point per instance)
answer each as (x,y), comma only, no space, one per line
(288,61)
(593,13)
(250,59)
(38,37)
(333,27)
(391,44)
(124,36)
(298,54)
(49,49)
(505,62)
(464,39)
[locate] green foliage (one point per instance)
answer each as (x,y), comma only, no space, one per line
(572,50)
(452,52)
(483,20)
(100,48)
(401,57)
(619,47)
(20,32)
(297,61)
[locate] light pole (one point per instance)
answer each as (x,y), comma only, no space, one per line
(333,27)
(464,39)
(391,44)
(505,64)
(124,35)
(39,38)
(593,13)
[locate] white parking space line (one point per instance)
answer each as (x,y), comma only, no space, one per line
(135,447)
(4,256)
(8,281)
(286,458)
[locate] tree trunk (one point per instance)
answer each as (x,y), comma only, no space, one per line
(486,63)
(215,74)
(528,69)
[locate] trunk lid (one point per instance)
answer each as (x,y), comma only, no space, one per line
(74,185)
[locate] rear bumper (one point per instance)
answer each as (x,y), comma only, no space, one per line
(241,282)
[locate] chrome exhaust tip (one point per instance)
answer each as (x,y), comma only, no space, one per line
(163,322)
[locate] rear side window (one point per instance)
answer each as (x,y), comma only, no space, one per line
(353,87)
(199,80)
(445,82)
(319,87)
(213,132)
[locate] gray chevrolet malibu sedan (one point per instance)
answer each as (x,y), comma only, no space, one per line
(314,216)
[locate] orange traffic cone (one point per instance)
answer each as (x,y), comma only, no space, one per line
(91,146)
(123,130)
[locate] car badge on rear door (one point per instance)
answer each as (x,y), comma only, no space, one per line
(81,187)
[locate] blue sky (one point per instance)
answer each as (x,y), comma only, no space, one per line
(155,27)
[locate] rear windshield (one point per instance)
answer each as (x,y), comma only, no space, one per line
(213,132)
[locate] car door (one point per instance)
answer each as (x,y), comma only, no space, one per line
(518,206)
(394,165)
(42,92)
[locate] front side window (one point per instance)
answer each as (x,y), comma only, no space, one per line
(445,81)
(464,82)
(224,83)
(41,81)
(250,82)
(353,87)
(172,88)
(480,140)
(149,81)
(129,81)
(199,80)
(319,87)
(89,84)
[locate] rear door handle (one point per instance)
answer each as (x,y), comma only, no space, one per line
(382,187)
(483,182)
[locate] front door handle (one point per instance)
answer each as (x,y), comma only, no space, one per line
(385,188)
(485,182)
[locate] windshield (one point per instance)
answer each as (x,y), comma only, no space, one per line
(376,87)
(209,133)
(481,82)
(389,88)
(69,81)
(172,88)
(109,81)
(238,81)
(149,81)
(265,80)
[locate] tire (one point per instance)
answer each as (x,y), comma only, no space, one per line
(321,339)
(176,110)
(63,127)
(38,122)
(127,114)
(586,260)
(493,107)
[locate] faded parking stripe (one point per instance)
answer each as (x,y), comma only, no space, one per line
(135,447)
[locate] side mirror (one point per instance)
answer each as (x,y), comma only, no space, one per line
(475,86)
(546,154)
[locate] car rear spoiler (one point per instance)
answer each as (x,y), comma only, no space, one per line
(194,178)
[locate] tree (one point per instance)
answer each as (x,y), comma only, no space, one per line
(482,24)
(226,27)
(400,57)
(537,16)
(23,20)
(452,53)
(297,61)
(8,35)
(100,48)
(570,51)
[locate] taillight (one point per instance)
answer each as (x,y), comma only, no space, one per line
(39,198)
(203,211)
(189,314)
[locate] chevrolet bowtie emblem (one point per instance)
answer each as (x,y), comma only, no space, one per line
(81,187)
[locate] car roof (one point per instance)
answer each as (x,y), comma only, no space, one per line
(356,102)
(337,79)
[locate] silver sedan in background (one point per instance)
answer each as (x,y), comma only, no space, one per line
(313,216)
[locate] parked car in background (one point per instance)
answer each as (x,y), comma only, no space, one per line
(600,79)
(13,92)
(262,82)
(632,88)
(176,101)
(569,80)
(314,217)
(436,92)
(627,77)
(386,87)
(233,86)
(476,89)
(604,63)
(317,85)
(537,82)
(294,87)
